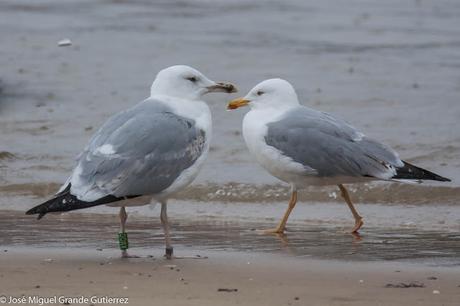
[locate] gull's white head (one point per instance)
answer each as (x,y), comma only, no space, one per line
(275,93)
(187,83)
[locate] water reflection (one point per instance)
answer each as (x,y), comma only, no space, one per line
(326,242)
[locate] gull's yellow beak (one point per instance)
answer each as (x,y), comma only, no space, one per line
(234,104)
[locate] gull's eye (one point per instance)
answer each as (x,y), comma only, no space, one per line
(192,79)
(259,93)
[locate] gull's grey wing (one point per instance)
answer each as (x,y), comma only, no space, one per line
(140,151)
(330,146)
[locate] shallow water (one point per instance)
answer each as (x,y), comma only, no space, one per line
(414,240)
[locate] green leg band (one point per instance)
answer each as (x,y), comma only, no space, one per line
(123,241)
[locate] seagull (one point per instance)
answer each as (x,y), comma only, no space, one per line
(146,153)
(305,147)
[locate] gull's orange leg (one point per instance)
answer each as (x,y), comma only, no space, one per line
(282,225)
(358,219)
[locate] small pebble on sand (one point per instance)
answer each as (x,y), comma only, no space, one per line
(413,284)
(227,290)
(170,266)
(64,42)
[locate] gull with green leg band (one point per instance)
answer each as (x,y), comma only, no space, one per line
(123,236)
(123,241)
(150,151)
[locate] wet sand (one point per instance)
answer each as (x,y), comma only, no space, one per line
(316,263)
(410,234)
(390,70)
(223,279)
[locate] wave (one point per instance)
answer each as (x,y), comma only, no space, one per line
(375,192)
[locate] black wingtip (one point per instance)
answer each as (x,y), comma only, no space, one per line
(44,208)
(443,179)
(65,201)
(32,211)
(411,172)
(36,210)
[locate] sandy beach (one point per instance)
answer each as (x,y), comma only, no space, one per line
(224,278)
(74,255)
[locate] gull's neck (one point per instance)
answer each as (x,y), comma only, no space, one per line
(171,98)
(174,95)
(197,110)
